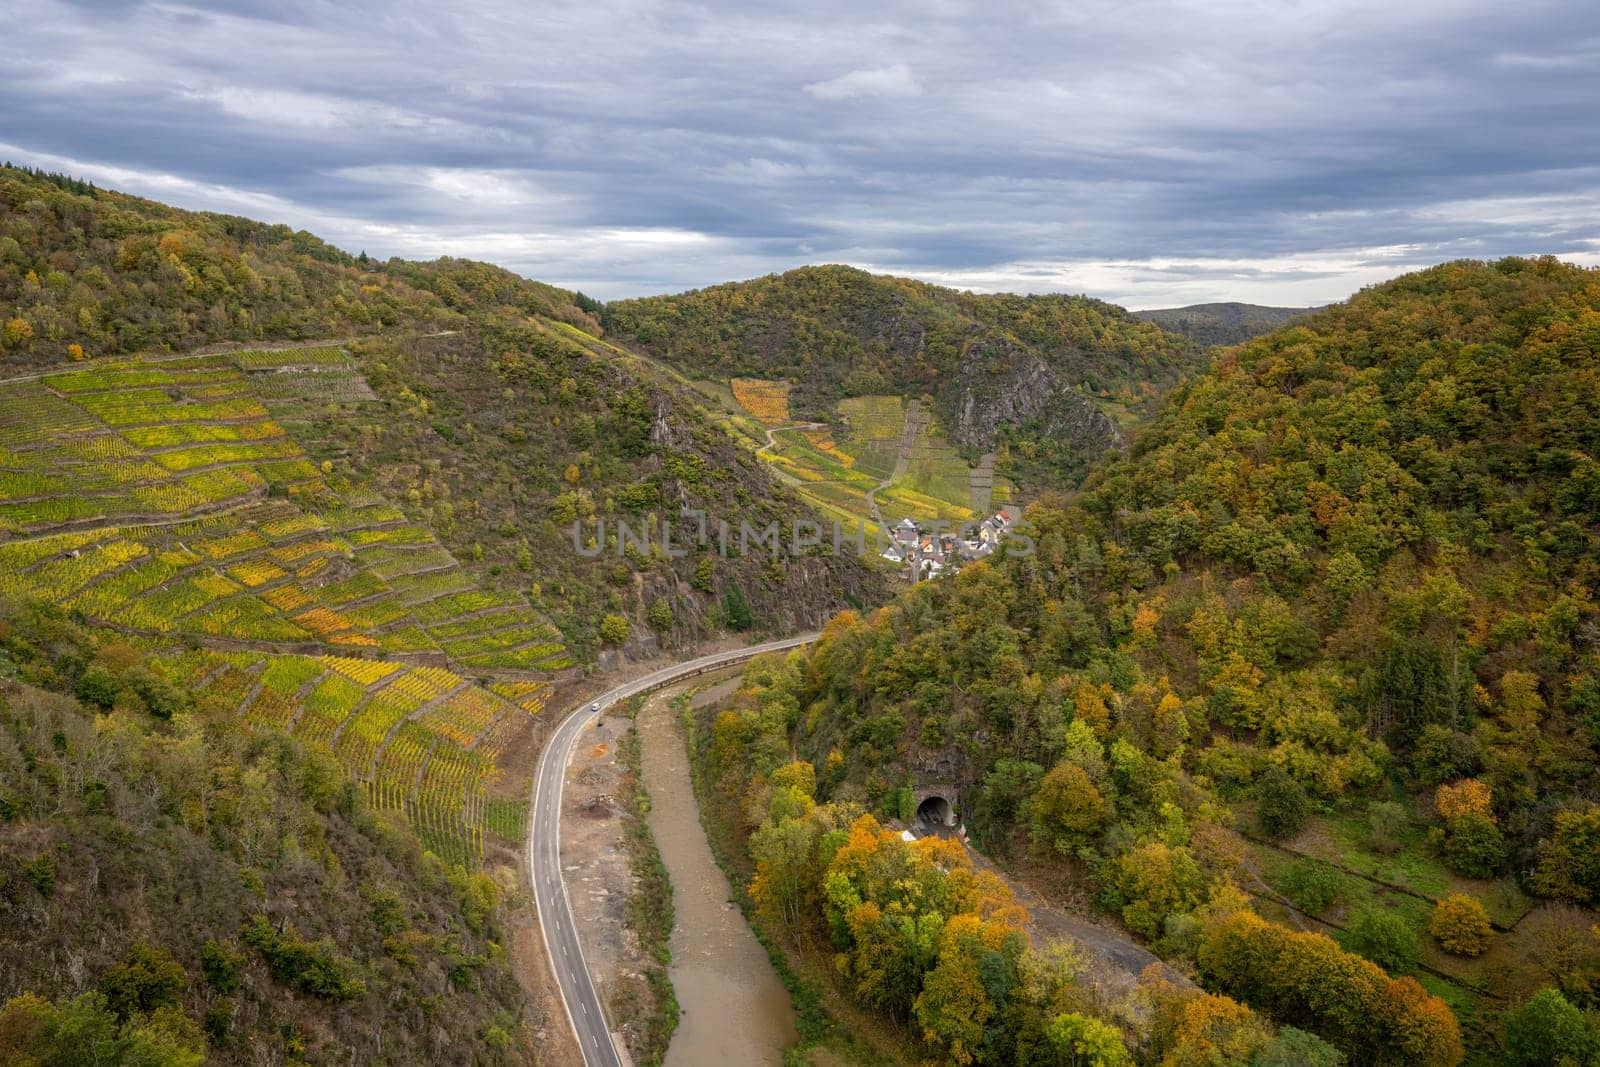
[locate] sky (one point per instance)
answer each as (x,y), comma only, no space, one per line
(1148,153)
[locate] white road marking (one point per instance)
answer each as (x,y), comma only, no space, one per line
(555,909)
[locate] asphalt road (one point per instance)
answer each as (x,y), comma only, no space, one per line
(544,847)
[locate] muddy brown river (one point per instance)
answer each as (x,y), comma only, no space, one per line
(735,1008)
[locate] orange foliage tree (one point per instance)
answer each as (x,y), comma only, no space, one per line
(1307,980)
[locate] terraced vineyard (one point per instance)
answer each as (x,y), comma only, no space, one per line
(836,469)
(423,741)
(766,401)
(170,500)
(167,498)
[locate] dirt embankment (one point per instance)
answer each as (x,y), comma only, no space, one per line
(592,828)
(595,825)
(547,1035)
(1112,959)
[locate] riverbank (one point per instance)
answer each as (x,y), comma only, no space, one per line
(832,1031)
(734,1007)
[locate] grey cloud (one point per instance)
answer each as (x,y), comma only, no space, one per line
(1156,149)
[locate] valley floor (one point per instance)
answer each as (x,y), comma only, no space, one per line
(735,1008)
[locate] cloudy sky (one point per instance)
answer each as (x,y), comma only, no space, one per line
(1150,153)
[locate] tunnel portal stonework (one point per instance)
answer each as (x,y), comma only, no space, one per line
(926,792)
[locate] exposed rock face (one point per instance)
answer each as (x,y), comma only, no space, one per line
(665,429)
(1032,392)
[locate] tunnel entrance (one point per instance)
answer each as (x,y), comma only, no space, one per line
(935,813)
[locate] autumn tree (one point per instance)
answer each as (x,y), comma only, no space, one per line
(976,972)
(1152,882)
(1308,979)
(1216,1029)
(1461,925)
(1471,839)
(1068,810)
(1569,861)
(15,332)
(1466,797)
(1281,804)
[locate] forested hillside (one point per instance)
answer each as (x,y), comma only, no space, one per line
(178,885)
(1313,674)
(461,368)
(1048,376)
(87,272)
(1221,324)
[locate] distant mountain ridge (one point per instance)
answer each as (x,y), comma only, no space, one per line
(1224,323)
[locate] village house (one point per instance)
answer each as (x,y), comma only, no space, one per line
(927,555)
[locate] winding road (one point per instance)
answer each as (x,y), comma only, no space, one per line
(561,942)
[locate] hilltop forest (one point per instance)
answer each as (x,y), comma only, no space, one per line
(1304,691)
(1047,379)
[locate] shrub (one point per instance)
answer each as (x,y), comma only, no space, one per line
(146,978)
(1282,808)
(41,873)
(220,963)
(1461,925)
(660,615)
(1312,887)
(702,577)
(1474,846)
(84,1031)
(1547,1030)
(1385,821)
(313,967)
(614,629)
(98,686)
(1384,938)
(735,613)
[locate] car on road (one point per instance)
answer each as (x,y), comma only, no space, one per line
(595,706)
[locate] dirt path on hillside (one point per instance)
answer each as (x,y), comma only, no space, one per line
(735,1008)
(980,484)
(772,444)
(902,458)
